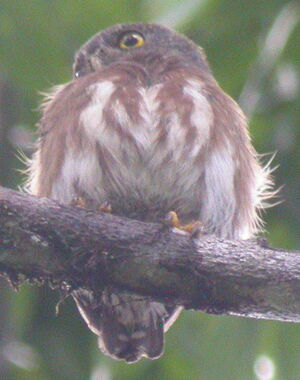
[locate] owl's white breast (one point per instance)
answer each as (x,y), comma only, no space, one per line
(177,145)
(138,144)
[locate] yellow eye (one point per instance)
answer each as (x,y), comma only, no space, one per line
(131,40)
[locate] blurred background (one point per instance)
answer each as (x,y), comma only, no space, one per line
(254,51)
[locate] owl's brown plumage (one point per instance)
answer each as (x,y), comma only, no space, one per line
(144,126)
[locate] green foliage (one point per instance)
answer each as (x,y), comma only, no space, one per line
(37,41)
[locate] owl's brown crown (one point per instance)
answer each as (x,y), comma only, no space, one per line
(139,42)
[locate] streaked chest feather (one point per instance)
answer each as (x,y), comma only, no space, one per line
(139,143)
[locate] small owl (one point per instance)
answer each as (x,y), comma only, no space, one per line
(144,127)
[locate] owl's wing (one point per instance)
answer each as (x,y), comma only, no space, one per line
(61,144)
(233,184)
(59,114)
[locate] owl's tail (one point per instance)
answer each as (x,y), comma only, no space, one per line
(129,327)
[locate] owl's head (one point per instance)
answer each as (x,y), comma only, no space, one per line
(138,42)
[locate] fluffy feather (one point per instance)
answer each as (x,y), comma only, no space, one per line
(149,131)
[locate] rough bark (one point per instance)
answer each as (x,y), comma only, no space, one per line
(70,247)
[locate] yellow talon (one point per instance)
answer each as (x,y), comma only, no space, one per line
(79,202)
(172,220)
(105,207)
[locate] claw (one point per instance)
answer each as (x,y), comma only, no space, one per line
(105,207)
(172,220)
(79,202)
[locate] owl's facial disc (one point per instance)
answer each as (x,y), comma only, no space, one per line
(135,42)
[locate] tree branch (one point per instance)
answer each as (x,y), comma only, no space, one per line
(44,240)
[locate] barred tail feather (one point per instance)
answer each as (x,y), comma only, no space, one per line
(128,326)
(131,340)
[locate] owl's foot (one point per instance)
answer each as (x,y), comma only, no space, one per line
(172,220)
(83,203)
(79,202)
(105,207)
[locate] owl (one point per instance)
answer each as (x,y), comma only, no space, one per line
(144,127)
